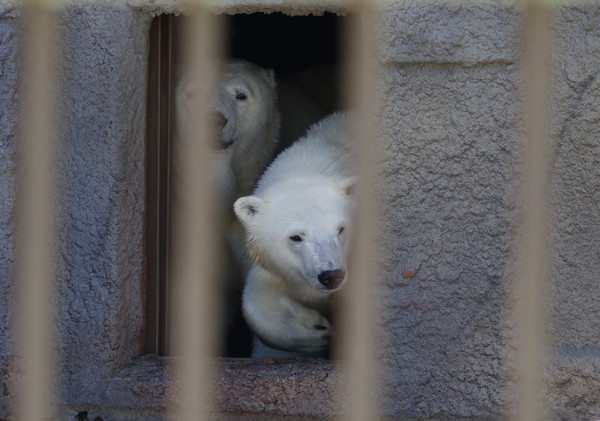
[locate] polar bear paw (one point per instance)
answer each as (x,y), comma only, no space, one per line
(306,330)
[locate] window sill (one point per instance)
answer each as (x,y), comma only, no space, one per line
(305,388)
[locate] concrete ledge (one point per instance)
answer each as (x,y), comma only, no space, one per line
(283,387)
(306,388)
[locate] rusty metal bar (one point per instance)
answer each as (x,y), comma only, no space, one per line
(532,268)
(34,213)
(356,344)
(194,258)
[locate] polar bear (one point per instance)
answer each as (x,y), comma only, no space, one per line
(297,225)
(254,117)
(246,123)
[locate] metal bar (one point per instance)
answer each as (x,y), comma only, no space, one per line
(356,344)
(194,258)
(34,216)
(532,275)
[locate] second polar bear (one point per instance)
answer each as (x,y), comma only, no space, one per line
(255,116)
(297,226)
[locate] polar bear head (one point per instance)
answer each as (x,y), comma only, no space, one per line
(300,230)
(243,104)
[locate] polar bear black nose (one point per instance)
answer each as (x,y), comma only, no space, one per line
(332,278)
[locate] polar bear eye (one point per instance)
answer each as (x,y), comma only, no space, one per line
(295,238)
(241,96)
(341,230)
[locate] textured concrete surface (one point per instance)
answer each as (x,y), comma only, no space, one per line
(100,244)
(8,118)
(450,129)
(449,137)
(464,33)
(451,141)
(295,387)
(451,124)
(574,368)
(104,96)
(146,388)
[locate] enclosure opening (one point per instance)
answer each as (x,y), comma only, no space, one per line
(304,53)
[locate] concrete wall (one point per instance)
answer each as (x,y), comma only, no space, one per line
(574,371)
(103,91)
(450,134)
(8,113)
(104,94)
(451,129)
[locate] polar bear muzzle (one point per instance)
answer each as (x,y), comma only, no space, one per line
(332,278)
(219,121)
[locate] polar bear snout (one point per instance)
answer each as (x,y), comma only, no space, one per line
(332,278)
(219,121)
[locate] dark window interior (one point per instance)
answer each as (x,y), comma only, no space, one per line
(284,43)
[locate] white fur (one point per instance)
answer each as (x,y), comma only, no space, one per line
(297,226)
(247,105)
(263,116)
(246,98)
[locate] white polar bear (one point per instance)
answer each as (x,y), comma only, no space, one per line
(246,121)
(254,117)
(297,226)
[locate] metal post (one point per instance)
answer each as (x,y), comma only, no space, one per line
(34,217)
(530,290)
(195,326)
(356,344)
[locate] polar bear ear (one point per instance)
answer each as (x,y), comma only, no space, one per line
(348,185)
(246,208)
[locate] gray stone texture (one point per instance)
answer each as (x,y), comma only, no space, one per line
(145,389)
(451,127)
(100,244)
(104,96)
(447,32)
(450,132)
(449,136)
(8,117)
(574,368)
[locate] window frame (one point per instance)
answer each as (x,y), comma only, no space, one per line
(161,72)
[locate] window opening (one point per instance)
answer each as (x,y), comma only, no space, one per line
(300,50)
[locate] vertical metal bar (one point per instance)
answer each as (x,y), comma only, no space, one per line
(194,232)
(533,254)
(32,327)
(357,339)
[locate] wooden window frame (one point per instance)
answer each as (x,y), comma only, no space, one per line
(158,190)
